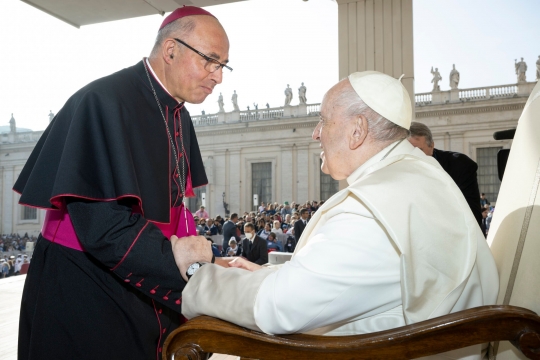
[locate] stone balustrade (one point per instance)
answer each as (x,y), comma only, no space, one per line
(20,137)
(474,94)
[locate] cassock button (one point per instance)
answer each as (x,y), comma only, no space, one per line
(138,285)
(127,280)
(176,176)
(152,291)
(178,302)
(164,330)
(177,134)
(165,298)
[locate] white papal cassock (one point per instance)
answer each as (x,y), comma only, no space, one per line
(398,246)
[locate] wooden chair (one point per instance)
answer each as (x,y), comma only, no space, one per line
(515,242)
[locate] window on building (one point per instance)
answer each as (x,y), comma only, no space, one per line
(261,181)
(329,186)
(28,213)
(488,179)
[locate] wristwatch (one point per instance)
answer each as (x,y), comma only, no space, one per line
(193,268)
(196,266)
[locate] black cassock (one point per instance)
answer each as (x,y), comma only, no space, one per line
(106,159)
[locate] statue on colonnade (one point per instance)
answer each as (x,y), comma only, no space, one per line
(454,78)
(12,125)
(521,70)
(302,94)
(436,78)
(51,116)
(220,103)
(235,101)
(288,95)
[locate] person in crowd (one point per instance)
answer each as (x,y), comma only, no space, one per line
(262,207)
(276,229)
(286,224)
(271,242)
(270,209)
(484,201)
(202,228)
(260,225)
(483,225)
(214,229)
(230,230)
(215,249)
(221,222)
(263,233)
(300,225)
(233,249)
(201,213)
(460,167)
(399,262)
(112,171)
(4,268)
(286,209)
(489,218)
(254,248)
(290,244)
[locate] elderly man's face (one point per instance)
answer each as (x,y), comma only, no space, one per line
(186,78)
(421,143)
(332,135)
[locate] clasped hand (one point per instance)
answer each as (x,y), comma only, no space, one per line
(191,249)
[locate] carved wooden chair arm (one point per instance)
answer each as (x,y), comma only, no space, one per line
(474,326)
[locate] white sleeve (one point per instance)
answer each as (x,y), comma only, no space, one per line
(348,270)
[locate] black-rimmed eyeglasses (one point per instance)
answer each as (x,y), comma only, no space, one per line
(212,65)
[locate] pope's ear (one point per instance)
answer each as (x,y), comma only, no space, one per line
(359,132)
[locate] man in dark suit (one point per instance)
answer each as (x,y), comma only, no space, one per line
(300,224)
(460,167)
(229,231)
(254,248)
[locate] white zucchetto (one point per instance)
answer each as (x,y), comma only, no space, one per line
(385,95)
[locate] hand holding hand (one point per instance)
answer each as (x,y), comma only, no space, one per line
(190,249)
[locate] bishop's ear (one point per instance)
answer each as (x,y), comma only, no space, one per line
(359,132)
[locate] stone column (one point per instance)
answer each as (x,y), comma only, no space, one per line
(287,174)
(302,169)
(8,200)
(376,35)
(220,182)
(235,183)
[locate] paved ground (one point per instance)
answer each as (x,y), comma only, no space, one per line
(10,297)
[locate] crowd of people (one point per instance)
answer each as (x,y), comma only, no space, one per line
(11,265)
(269,221)
(14,242)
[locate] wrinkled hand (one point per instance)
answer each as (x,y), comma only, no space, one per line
(190,249)
(242,263)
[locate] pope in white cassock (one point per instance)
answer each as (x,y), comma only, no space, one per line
(399,245)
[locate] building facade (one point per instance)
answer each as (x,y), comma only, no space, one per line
(270,153)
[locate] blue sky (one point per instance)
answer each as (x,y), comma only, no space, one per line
(273,43)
